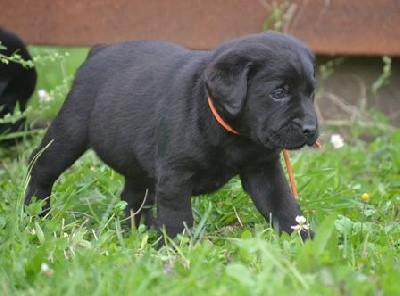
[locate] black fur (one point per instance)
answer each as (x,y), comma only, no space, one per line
(142,106)
(17,83)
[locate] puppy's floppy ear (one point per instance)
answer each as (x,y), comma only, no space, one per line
(226,81)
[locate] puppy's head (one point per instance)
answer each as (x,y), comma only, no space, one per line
(264,85)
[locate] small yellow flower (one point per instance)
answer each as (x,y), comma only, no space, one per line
(365,197)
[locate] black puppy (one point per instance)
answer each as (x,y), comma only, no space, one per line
(17,83)
(146,109)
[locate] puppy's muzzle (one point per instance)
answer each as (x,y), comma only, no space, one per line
(310,132)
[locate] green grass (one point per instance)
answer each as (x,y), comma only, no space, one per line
(231,250)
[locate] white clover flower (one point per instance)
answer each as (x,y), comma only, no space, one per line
(302,224)
(337,141)
(45,269)
(301,219)
(44,96)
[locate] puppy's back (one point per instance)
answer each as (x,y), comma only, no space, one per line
(120,66)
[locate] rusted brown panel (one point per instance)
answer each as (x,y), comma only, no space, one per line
(366,27)
(196,24)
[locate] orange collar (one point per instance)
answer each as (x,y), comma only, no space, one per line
(219,118)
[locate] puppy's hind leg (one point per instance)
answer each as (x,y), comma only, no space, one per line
(139,201)
(59,149)
(174,209)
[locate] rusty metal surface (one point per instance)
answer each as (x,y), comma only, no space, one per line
(356,27)
(350,27)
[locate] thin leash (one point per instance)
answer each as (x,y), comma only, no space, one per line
(285,152)
(289,169)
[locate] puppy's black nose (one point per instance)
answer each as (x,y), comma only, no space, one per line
(309,130)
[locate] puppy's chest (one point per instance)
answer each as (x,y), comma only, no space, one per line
(211,179)
(221,166)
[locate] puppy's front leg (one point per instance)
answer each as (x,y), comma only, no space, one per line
(174,203)
(271,194)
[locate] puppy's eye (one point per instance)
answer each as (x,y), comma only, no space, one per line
(278,94)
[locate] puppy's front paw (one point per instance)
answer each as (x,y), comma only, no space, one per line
(307,234)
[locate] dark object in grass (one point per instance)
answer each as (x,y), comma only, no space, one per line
(17,83)
(142,106)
